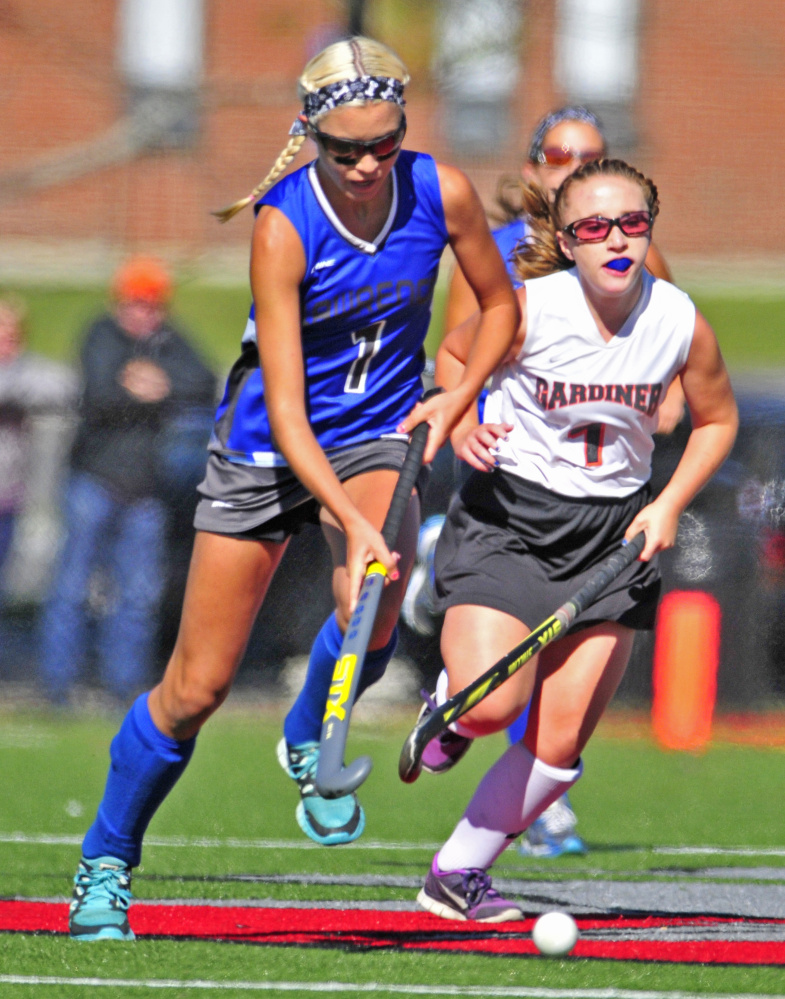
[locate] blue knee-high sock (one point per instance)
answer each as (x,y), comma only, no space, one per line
(145,766)
(376,663)
(517,730)
(304,721)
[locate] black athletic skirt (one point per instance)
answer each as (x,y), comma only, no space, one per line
(515,546)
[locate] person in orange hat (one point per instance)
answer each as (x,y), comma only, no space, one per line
(142,279)
(139,377)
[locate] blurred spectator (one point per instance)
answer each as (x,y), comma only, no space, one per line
(141,380)
(30,386)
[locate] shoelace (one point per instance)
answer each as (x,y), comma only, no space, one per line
(303,766)
(432,705)
(105,882)
(475,884)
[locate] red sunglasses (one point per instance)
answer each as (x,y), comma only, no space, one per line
(348,152)
(559,156)
(597,228)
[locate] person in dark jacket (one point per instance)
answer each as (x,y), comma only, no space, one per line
(140,379)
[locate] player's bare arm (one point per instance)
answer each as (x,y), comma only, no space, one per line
(451,360)
(715,419)
(479,258)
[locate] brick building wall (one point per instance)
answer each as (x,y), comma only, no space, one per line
(707,118)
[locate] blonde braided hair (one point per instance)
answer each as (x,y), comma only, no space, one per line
(286,156)
(350,59)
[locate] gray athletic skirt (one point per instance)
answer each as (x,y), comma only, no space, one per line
(270,504)
(517,547)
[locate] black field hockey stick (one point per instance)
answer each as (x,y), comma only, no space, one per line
(410,762)
(333,780)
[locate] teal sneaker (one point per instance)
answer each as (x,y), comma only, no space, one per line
(102,894)
(553,834)
(328,821)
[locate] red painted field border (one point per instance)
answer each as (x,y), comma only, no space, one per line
(359,929)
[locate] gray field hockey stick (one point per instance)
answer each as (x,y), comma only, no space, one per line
(410,762)
(333,780)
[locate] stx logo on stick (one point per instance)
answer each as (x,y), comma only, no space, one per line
(339,689)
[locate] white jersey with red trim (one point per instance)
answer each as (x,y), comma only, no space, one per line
(584,409)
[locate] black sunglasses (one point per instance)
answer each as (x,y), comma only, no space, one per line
(597,228)
(348,152)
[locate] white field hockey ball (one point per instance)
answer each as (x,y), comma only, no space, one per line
(555,934)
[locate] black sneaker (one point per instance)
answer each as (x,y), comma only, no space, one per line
(465,894)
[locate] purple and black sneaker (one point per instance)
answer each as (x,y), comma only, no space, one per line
(444,751)
(465,894)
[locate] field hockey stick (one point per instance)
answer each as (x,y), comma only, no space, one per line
(410,762)
(333,780)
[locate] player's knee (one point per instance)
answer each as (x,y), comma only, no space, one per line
(384,631)
(192,700)
(490,715)
(342,615)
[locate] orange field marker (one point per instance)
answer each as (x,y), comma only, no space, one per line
(686,657)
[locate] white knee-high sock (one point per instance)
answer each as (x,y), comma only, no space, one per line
(441,697)
(512,794)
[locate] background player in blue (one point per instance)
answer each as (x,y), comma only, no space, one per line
(344,257)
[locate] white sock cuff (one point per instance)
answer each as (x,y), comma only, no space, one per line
(441,688)
(441,697)
(558,773)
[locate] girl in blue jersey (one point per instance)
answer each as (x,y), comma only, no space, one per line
(313,425)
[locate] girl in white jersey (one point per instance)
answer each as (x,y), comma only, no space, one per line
(561,141)
(364,196)
(561,478)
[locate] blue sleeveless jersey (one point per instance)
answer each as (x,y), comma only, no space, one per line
(507,239)
(365,310)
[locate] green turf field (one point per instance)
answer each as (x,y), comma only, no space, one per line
(228,830)
(230,821)
(749,327)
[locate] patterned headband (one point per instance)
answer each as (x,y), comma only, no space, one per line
(573,112)
(367,88)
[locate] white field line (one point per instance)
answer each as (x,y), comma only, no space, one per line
(376,988)
(212,843)
(717,851)
(179,842)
